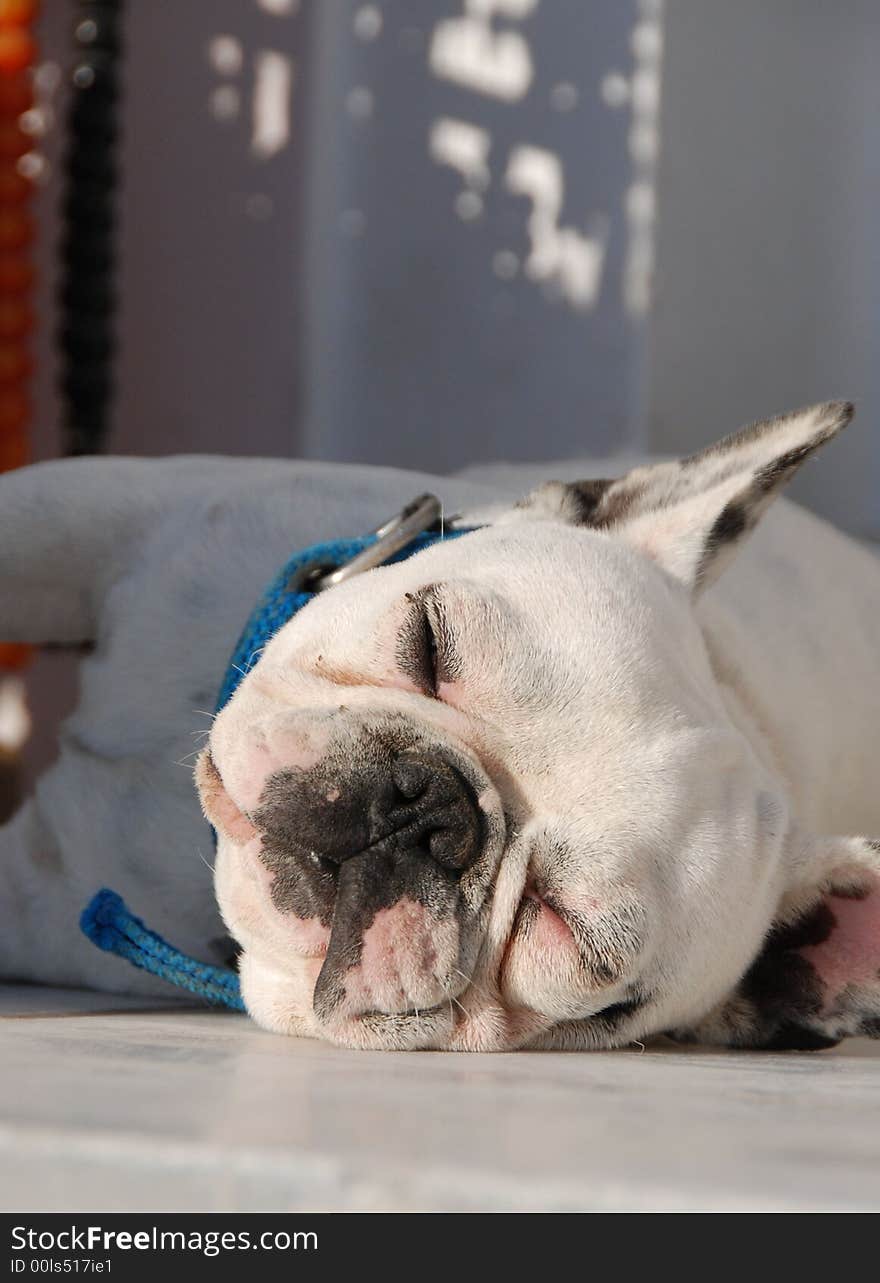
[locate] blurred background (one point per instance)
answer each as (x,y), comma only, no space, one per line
(433,233)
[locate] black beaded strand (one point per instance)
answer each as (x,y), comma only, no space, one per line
(88,246)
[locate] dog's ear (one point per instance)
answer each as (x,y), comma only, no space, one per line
(817,977)
(690,515)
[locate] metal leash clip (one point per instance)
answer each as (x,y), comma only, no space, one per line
(417,517)
(422,514)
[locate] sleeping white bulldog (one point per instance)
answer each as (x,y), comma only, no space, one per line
(546,784)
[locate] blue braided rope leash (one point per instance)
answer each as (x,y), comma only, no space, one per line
(106,920)
(110,924)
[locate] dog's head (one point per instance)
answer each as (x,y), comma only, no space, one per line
(491,795)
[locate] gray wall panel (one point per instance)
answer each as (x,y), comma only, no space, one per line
(768,276)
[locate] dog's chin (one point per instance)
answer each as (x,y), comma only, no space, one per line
(403,1031)
(281,1001)
(477,1020)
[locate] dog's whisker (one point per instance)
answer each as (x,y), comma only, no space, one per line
(461,1008)
(204,861)
(472,983)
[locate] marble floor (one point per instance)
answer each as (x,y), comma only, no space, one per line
(111,1105)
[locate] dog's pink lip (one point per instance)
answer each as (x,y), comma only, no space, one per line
(553,917)
(554,914)
(218,805)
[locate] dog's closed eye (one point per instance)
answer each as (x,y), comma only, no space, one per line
(425,651)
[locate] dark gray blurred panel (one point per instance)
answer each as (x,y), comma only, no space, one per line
(212,242)
(426,340)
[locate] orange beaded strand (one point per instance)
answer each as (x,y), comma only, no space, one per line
(17,55)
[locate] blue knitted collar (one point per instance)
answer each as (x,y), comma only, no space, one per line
(106,919)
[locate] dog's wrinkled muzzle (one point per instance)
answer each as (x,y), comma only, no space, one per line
(380,849)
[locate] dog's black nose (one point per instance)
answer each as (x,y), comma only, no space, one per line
(437,810)
(413,804)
